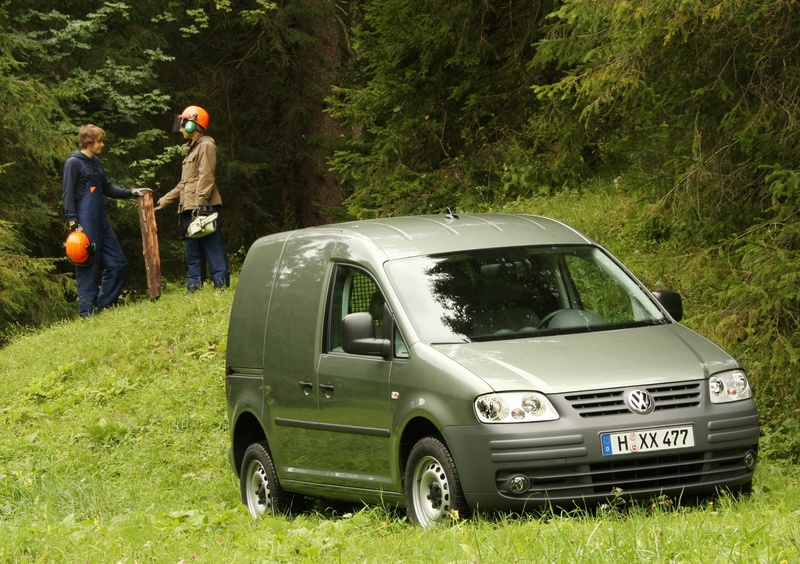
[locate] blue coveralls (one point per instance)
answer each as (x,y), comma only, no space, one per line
(85,184)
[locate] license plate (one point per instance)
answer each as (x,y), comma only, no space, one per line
(647,440)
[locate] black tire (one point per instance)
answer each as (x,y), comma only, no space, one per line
(432,488)
(261,491)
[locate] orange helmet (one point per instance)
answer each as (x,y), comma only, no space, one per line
(80,251)
(191,117)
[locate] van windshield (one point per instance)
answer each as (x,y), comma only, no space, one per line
(519,292)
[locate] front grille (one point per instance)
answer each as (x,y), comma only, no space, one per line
(632,476)
(655,472)
(612,402)
(593,404)
(676,396)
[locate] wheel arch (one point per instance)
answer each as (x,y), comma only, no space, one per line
(248,430)
(415,429)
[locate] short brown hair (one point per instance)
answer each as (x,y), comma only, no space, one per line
(89,134)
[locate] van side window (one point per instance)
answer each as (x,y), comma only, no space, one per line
(355,291)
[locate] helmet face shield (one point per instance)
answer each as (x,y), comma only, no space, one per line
(179,122)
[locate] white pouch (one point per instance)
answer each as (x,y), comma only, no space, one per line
(202,225)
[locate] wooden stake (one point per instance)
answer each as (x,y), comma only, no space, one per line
(152,259)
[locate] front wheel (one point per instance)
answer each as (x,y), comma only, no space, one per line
(432,488)
(261,492)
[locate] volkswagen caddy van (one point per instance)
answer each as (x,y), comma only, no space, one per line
(452,364)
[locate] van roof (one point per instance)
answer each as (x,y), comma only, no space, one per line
(406,236)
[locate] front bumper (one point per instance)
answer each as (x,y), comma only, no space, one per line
(562,463)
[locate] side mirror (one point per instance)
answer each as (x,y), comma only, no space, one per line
(358,336)
(672,303)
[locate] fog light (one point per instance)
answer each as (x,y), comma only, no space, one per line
(518,484)
(750,460)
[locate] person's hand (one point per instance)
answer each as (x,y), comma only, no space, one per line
(139,192)
(75,226)
(158,205)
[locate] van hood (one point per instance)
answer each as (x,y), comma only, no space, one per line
(589,361)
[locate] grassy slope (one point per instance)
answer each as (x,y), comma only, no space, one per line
(114,450)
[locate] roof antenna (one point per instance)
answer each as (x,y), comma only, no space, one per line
(450,215)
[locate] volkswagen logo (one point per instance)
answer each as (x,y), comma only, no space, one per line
(641,402)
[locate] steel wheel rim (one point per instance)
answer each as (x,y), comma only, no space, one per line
(431,491)
(258,494)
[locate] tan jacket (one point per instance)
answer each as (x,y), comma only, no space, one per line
(197,187)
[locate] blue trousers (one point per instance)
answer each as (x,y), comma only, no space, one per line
(100,284)
(205,250)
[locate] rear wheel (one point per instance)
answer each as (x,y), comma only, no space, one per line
(432,488)
(261,491)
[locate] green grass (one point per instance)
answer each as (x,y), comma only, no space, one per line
(113,449)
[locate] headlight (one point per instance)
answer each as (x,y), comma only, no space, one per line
(514,407)
(729,386)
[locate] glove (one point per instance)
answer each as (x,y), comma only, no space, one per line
(158,205)
(139,192)
(75,226)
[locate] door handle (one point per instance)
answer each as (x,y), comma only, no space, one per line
(306,387)
(327,389)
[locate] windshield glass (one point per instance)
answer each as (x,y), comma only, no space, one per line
(518,292)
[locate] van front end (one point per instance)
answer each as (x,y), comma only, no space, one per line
(600,449)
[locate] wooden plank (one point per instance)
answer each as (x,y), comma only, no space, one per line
(152,259)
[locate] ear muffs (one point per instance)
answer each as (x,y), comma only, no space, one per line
(190,126)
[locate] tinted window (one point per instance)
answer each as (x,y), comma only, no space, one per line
(518,292)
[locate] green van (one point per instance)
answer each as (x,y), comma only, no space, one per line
(486,362)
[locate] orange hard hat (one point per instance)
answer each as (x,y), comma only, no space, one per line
(80,251)
(197,115)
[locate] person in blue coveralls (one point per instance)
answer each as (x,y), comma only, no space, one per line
(85,185)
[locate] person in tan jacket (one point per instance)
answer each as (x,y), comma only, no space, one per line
(198,196)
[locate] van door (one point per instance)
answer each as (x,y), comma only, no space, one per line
(354,398)
(291,349)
